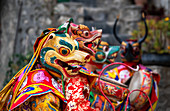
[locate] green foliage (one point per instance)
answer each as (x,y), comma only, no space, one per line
(158,40)
(15,65)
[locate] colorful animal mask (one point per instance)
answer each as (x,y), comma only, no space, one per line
(105,54)
(130,50)
(59,52)
(88,40)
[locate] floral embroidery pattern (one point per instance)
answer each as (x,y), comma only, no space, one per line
(77,92)
(40,76)
(32,87)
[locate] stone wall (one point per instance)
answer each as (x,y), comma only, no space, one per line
(8,26)
(64,11)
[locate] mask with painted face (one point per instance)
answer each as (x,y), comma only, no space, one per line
(88,40)
(59,52)
(105,54)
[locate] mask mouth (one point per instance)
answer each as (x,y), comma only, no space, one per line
(91,46)
(112,57)
(67,66)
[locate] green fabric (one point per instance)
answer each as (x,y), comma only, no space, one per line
(91,97)
(62,77)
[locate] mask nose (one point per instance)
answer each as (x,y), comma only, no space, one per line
(129,56)
(82,56)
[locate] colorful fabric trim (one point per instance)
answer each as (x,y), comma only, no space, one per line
(38,82)
(101,103)
(49,102)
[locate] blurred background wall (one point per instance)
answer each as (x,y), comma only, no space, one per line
(31,17)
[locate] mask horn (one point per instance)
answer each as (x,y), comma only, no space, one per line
(74,29)
(93,28)
(114,30)
(146,29)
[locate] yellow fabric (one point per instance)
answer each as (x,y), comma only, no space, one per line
(113,73)
(105,101)
(4,94)
(46,102)
(94,100)
(38,89)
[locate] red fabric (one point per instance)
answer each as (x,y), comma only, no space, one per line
(153,98)
(156,77)
(99,65)
(37,82)
(77,92)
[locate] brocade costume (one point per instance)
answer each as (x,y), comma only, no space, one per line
(39,91)
(77,92)
(44,102)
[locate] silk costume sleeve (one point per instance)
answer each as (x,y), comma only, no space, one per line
(77,92)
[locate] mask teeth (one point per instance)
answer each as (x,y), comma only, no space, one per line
(79,63)
(74,73)
(83,64)
(66,68)
(93,28)
(70,63)
(69,71)
(75,63)
(88,60)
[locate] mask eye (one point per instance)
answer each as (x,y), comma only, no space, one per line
(86,33)
(100,56)
(51,36)
(136,49)
(105,48)
(64,51)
